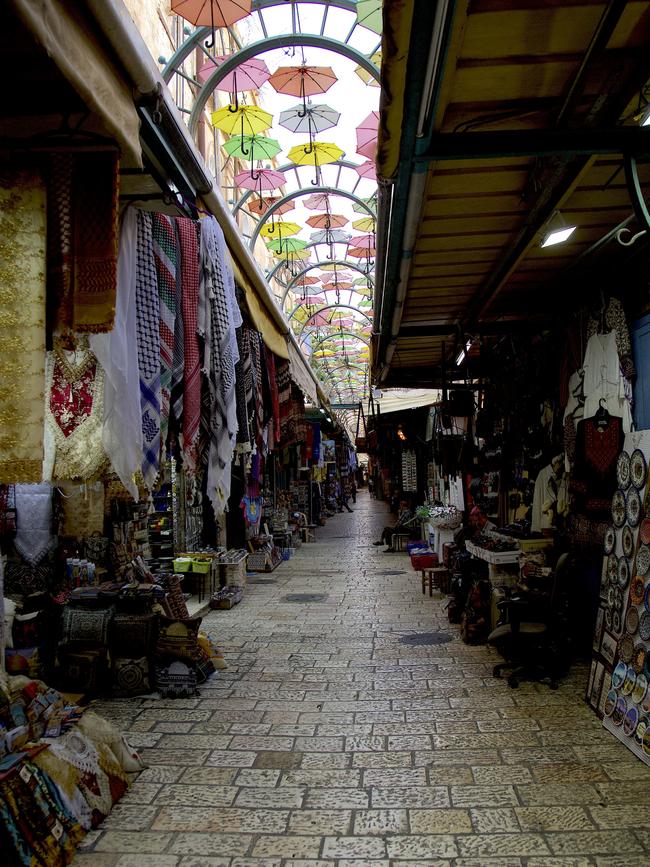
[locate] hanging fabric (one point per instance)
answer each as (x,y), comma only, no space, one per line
(147,310)
(117,353)
(242,374)
(189,250)
(165,253)
(34,537)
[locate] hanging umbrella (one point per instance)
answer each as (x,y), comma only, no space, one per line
(327,221)
(329,236)
(369,15)
(366,170)
(279,231)
(312,300)
(361,252)
(371,201)
(247,120)
(338,287)
(315,154)
(337,275)
(286,245)
(308,281)
(249,75)
(303,81)
(261,206)
(365,76)
(312,120)
(317,201)
(252,147)
(367,135)
(361,282)
(329,266)
(363,241)
(264,180)
(212,13)
(365,224)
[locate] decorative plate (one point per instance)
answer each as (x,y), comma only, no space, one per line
(612,568)
(638,658)
(646,741)
(645,702)
(626,649)
(632,619)
(631,720)
(646,598)
(618,508)
(610,539)
(618,599)
(619,711)
(645,531)
(618,675)
(642,560)
(608,618)
(611,596)
(610,702)
(644,626)
(640,731)
(628,541)
(633,507)
(623,573)
(638,469)
(630,680)
(623,470)
(616,621)
(637,590)
(640,688)
(646,671)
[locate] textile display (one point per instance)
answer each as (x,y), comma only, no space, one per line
(34,537)
(22,326)
(189,254)
(165,253)
(218,318)
(23,660)
(82,508)
(148,328)
(615,320)
(177,639)
(82,670)
(131,676)
(7,510)
(594,474)
(82,626)
(132,634)
(117,352)
(603,380)
(25,630)
(177,680)
(269,357)
(243,374)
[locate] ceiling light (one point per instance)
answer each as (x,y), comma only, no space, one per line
(559,234)
(463,353)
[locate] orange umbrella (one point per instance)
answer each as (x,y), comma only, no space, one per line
(327,221)
(303,81)
(361,252)
(261,206)
(212,13)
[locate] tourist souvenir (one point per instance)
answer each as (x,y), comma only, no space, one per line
(645,531)
(638,469)
(626,648)
(618,676)
(627,539)
(631,721)
(641,727)
(612,568)
(633,507)
(646,741)
(623,573)
(610,702)
(642,560)
(638,657)
(644,626)
(637,590)
(616,621)
(630,680)
(640,688)
(623,470)
(632,620)
(618,508)
(619,711)
(610,539)
(608,618)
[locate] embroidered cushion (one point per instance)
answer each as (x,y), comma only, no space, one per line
(131,635)
(176,680)
(131,676)
(83,627)
(82,671)
(26,630)
(177,639)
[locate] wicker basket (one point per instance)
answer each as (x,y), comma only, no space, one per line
(233,566)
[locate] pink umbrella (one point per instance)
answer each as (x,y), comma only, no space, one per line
(317,201)
(317,319)
(308,281)
(367,170)
(367,135)
(264,180)
(334,276)
(314,299)
(249,75)
(363,241)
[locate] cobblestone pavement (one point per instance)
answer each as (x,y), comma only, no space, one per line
(334,740)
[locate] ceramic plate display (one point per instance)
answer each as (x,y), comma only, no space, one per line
(631,721)
(623,470)
(632,620)
(616,621)
(618,508)
(638,469)
(646,598)
(608,618)
(628,541)
(644,626)
(618,599)
(611,596)
(626,649)
(618,675)
(619,711)
(637,590)
(610,539)
(633,507)
(640,731)
(646,671)
(610,702)
(612,568)
(640,689)
(645,531)
(638,657)
(642,560)
(623,573)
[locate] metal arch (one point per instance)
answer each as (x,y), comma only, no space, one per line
(322,340)
(343,262)
(327,307)
(261,47)
(201,34)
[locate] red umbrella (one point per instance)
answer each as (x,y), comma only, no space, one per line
(367,170)
(249,75)
(327,221)
(367,135)
(339,286)
(261,206)
(361,252)
(212,13)
(317,201)
(308,281)
(303,81)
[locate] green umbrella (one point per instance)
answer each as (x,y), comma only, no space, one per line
(287,245)
(252,147)
(371,201)
(369,14)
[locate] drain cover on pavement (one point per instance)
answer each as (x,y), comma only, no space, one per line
(262,581)
(421,638)
(305,597)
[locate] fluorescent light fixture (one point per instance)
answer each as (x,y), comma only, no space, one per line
(646,119)
(557,236)
(463,353)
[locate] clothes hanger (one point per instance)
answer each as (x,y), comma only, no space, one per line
(602,416)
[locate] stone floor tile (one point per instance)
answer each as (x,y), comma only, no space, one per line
(194,742)
(390,777)
(634,770)
(326,760)
(449,821)
(380,822)
(428,846)
(261,742)
(494,775)
(142,793)
(261,778)
(161,774)
(593,843)
(175,757)
(634,792)
(558,794)
(329,779)
(221,819)
(147,861)
(483,796)
(579,861)
(230,759)
(280,797)
(140,842)
(208,776)
(324,798)
(277,759)
(450,775)
(239,728)
(354,847)
(365,744)
(287,846)
(623,860)
(130,817)
(494,821)
(196,795)
(568,772)
(203,844)
(382,760)
(409,797)
(555,819)
(320,822)
(491,845)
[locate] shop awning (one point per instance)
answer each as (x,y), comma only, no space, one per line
(274,339)
(299,374)
(69,39)
(397,399)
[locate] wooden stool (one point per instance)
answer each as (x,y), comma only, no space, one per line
(308,534)
(398,541)
(437,577)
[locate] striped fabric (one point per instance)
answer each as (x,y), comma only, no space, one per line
(189,246)
(165,253)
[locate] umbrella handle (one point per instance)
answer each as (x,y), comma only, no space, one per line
(303,112)
(209,43)
(243,149)
(233,106)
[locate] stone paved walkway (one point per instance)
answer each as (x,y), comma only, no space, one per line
(333,740)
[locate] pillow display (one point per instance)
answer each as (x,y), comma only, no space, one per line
(100,730)
(131,635)
(176,680)
(131,676)
(177,639)
(26,630)
(82,671)
(82,626)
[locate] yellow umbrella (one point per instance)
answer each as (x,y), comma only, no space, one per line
(317,153)
(279,230)
(364,75)
(290,254)
(245,120)
(365,224)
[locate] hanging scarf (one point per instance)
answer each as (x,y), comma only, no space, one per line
(117,353)
(34,537)
(275,397)
(218,315)
(189,246)
(165,253)
(242,373)
(148,326)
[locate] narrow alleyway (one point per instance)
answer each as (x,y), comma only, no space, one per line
(334,738)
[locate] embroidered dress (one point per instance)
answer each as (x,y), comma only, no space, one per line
(189,247)
(165,253)
(594,474)
(74,414)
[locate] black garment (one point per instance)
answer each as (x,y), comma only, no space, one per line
(594,472)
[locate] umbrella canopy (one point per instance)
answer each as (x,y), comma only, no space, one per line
(252,147)
(311,300)
(329,236)
(315,154)
(261,206)
(263,181)
(369,14)
(367,170)
(212,13)
(361,252)
(287,245)
(279,230)
(363,240)
(312,120)
(242,121)
(317,201)
(249,75)
(327,221)
(337,275)
(363,73)
(365,224)
(367,135)
(339,286)
(371,201)
(308,281)
(303,81)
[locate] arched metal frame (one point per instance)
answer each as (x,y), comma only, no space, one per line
(345,263)
(322,340)
(321,310)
